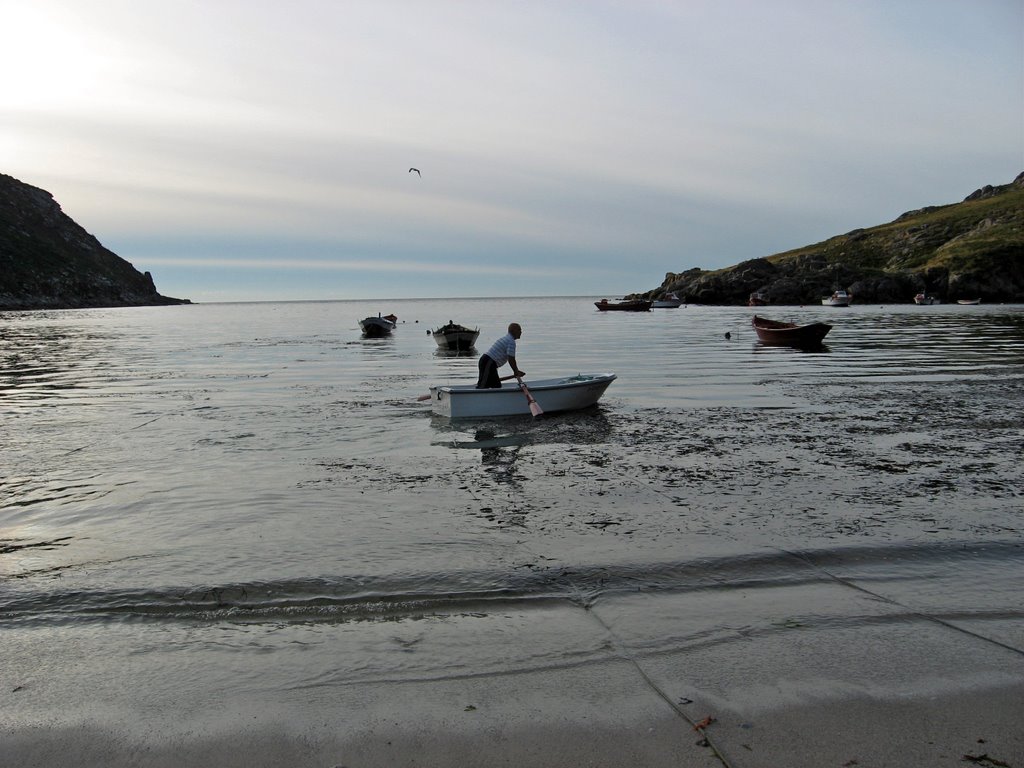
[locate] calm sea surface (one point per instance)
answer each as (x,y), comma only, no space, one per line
(197,487)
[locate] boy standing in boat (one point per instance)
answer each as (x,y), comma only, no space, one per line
(501,352)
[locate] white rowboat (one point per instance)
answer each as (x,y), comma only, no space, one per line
(553,395)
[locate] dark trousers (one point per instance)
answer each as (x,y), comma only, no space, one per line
(488,374)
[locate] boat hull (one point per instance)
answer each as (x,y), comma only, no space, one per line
(623,306)
(968,302)
(837,299)
(570,393)
(456,337)
(375,327)
(757,300)
(671,301)
(789,334)
(924,300)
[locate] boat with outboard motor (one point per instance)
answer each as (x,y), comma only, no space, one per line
(626,305)
(668,301)
(839,298)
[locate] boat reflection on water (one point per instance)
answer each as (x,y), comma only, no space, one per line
(761,347)
(443,352)
(589,426)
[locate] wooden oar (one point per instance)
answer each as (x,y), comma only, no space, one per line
(421,398)
(535,409)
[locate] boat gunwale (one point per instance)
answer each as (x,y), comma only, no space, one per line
(540,385)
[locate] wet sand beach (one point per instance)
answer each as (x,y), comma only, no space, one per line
(910,691)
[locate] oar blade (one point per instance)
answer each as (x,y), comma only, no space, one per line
(535,408)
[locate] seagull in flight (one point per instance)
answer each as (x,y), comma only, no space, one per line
(417,172)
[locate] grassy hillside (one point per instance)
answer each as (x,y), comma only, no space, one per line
(972,248)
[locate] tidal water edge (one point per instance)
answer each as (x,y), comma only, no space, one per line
(249,497)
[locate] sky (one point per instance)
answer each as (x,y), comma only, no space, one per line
(259,150)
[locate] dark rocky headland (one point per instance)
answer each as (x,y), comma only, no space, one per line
(47,261)
(968,250)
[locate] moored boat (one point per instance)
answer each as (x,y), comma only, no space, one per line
(637,305)
(790,334)
(968,302)
(757,299)
(925,300)
(456,337)
(375,327)
(839,298)
(570,393)
(668,301)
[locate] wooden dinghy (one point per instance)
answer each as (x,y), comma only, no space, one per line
(456,337)
(778,332)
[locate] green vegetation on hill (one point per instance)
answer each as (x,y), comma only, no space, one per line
(974,249)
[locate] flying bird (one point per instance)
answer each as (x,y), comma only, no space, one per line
(417,172)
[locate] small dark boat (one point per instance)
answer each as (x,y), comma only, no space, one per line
(757,300)
(456,337)
(375,327)
(791,334)
(623,306)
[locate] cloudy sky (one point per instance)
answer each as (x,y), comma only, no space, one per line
(259,149)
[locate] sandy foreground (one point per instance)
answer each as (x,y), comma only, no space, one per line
(897,690)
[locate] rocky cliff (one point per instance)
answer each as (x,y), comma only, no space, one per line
(972,249)
(47,261)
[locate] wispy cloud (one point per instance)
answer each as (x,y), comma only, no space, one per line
(368,266)
(598,144)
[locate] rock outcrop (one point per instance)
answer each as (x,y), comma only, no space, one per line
(972,249)
(47,261)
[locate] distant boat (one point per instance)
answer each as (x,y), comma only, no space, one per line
(757,300)
(669,301)
(552,395)
(375,327)
(968,301)
(623,306)
(839,298)
(925,299)
(456,337)
(789,334)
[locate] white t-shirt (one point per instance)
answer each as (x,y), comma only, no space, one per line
(502,350)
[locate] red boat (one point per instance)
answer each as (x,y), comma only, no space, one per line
(791,334)
(623,306)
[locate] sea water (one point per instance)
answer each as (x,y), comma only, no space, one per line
(252,496)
